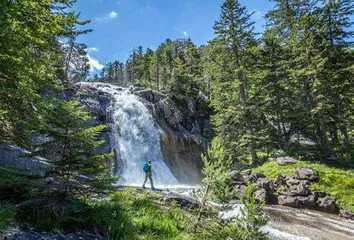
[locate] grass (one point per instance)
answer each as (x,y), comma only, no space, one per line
(128,214)
(132,215)
(337,182)
(124,215)
(7,214)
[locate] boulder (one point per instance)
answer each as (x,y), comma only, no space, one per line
(16,157)
(327,204)
(307,202)
(281,180)
(300,189)
(306,173)
(266,184)
(290,201)
(261,195)
(246,172)
(285,161)
(292,181)
(182,201)
(151,96)
(347,214)
(319,194)
(255,176)
(248,177)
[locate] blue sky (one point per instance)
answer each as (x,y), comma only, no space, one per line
(120,25)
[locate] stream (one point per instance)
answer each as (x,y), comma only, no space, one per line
(135,135)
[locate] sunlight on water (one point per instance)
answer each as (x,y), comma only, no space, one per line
(136,138)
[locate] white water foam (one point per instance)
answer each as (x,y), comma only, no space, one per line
(238,210)
(136,138)
(276,234)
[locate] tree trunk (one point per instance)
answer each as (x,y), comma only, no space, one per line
(202,204)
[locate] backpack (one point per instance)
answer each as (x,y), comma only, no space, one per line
(146,167)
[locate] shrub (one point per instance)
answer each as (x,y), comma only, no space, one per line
(7,213)
(15,187)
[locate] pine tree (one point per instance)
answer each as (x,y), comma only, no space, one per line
(275,92)
(30,59)
(148,78)
(337,70)
(76,169)
(234,118)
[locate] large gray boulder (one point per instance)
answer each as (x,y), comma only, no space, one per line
(306,173)
(261,195)
(248,177)
(281,180)
(290,201)
(285,161)
(307,201)
(12,156)
(347,214)
(266,184)
(327,204)
(300,189)
(150,96)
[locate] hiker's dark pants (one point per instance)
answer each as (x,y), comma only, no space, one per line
(148,175)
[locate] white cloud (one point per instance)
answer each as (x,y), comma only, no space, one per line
(109,16)
(185,33)
(112,15)
(92,49)
(94,64)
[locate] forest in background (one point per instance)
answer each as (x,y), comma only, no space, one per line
(285,91)
(288,90)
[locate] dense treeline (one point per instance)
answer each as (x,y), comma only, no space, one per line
(287,91)
(39,59)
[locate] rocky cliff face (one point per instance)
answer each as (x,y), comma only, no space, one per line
(183,127)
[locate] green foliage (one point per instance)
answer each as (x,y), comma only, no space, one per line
(31,59)
(337,182)
(7,214)
(72,145)
(232,93)
(125,215)
(150,220)
(245,227)
(16,187)
(216,172)
(216,182)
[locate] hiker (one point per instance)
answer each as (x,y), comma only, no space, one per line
(148,174)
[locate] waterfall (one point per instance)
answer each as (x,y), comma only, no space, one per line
(135,138)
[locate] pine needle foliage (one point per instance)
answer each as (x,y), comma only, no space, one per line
(76,168)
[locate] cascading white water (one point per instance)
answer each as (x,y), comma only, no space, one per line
(136,139)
